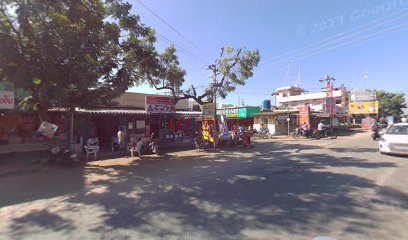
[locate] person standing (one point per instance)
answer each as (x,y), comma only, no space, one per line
(138,147)
(121,138)
(321,127)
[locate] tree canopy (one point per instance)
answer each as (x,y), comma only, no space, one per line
(233,68)
(79,53)
(391,104)
(74,53)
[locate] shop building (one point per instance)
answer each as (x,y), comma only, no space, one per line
(139,115)
(239,116)
(331,105)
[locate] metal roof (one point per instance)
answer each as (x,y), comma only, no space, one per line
(121,111)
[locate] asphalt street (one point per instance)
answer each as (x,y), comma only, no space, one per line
(280,189)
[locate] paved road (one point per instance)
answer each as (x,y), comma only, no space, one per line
(278,190)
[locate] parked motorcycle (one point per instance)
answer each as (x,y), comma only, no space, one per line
(327,132)
(61,157)
(299,132)
(263,134)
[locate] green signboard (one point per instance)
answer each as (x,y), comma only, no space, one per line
(242,112)
(246,112)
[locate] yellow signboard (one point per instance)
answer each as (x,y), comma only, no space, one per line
(363,107)
(208,111)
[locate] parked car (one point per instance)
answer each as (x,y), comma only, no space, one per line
(395,140)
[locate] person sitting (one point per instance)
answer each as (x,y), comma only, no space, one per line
(93,143)
(321,126)
(305,128)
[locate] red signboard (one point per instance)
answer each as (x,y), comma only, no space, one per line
(156,104)
(330,106)
(304,115)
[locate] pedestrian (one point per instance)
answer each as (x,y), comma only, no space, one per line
(138,147)
(121,138)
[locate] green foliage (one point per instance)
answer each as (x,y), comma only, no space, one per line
(391,104)
(234,68)
(71,53)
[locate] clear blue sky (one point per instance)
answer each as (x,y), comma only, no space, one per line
(339,37)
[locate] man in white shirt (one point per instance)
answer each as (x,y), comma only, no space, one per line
(121,138)
(321,126)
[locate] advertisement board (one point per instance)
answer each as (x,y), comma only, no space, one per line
(6,99)
(362,95)
(246,112)
(363,107)
(47,129)
(208,111)
(156,104)
(229,112)
(330,106)
(304,115)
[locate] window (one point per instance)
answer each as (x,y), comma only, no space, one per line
(398,130)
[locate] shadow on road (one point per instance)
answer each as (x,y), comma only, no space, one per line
(233,194)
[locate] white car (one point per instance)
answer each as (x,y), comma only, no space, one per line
(395,140)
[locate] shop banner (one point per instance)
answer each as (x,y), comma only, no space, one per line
(6,100)
(362,95)
(247,112)
(330,106)
(304,115)
(232,113)
(47,129)
(156,104)
(208,111)
(363,107)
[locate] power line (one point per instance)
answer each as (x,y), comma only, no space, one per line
(175,30)
(182,49)
(356,41)
(352,41)
(349,36)
(353,32)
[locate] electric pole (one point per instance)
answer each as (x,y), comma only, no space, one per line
(329,86)
(213,67)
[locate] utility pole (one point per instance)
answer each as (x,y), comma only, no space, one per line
(329,86)
(213,67)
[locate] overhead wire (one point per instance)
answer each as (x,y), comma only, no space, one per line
(173,28)
(350,42)
(182,49)
(335,38)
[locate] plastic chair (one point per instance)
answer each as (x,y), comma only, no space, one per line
(91,150)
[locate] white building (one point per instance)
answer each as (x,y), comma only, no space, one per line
(294,97)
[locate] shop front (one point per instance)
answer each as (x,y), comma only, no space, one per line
(239,116)
(277,121)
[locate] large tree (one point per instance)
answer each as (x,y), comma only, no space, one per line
(391,104)
(233,68)
(74,53)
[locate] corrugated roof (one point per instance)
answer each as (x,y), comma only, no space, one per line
(111,111)
(195,113)
(120,111)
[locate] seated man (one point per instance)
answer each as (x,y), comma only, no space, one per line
(305,128)
(93,143)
